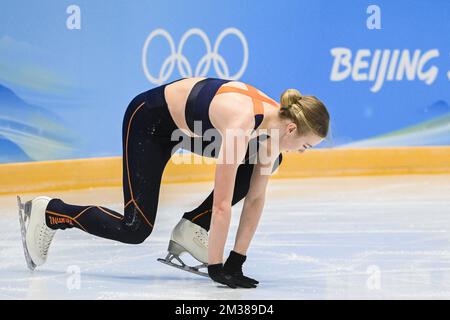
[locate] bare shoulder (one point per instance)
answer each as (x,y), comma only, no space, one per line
(227,111)
(232,114)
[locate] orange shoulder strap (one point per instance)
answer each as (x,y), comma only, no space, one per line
(251,92)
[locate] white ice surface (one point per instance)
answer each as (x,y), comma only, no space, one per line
(324,238)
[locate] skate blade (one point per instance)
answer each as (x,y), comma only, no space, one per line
(183,266)
(24,215)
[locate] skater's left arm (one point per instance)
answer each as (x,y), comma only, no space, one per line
(232,152)
(255,199)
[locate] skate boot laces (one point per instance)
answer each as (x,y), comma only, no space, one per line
(202,236)
(44,239)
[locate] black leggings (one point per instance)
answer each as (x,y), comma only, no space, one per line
(147,147)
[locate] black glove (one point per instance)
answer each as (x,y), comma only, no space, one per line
(216,273)
(233,266)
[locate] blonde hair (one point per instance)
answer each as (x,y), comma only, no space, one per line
(307,112)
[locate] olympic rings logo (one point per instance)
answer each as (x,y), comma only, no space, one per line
(184,67)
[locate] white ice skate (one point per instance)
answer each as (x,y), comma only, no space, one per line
(191,238)
(36,236)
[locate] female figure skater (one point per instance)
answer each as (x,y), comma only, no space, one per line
(223,106)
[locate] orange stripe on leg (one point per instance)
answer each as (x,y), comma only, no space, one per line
(76,217)
(143,215)
(201,214)
(109,213)
(126,148)
(128,169)
(131,201)
(64,216)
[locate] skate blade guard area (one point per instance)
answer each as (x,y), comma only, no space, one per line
(24,216)
(175,250)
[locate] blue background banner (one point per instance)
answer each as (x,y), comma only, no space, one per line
(68,69)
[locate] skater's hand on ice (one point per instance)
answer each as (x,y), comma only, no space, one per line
(217,273)
(233,266)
